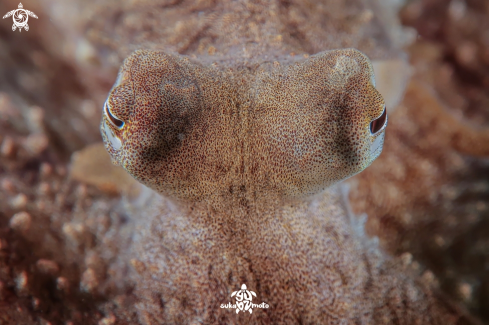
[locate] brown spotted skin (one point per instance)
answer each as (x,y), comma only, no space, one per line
(197,132)
(244,157)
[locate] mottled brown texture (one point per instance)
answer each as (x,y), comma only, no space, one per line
(37,70)
(237,146)
(252,31)
(90,229)
(51,230)
(242,155)
(204,134)
(427,193)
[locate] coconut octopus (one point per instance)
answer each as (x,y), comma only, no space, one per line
(240,120)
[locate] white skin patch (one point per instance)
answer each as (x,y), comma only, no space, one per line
(115,142)
(372,79)
(118,81)
(344,68)
(376,144)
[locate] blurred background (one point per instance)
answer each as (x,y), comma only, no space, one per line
(426,197)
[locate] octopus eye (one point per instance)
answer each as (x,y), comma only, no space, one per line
(114,120)
(378,123)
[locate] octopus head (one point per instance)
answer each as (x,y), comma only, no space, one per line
(191,131)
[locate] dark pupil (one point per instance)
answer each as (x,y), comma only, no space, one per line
(112,118)
(377,124)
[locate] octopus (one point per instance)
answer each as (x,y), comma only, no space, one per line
(238,164)
(241,122)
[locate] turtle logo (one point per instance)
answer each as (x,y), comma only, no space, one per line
(20,16)
(243,301)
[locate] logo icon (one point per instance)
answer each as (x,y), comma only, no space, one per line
(20,16)
(243,301)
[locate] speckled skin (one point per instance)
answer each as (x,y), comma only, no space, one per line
(243,155)
(204,133)
(237,160)
(79,229)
